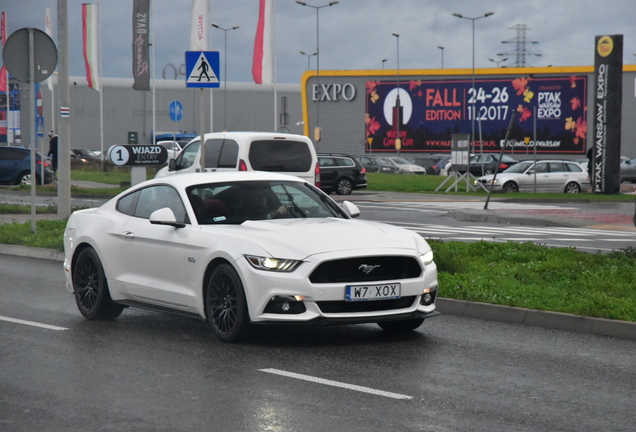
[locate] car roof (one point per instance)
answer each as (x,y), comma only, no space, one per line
(189,179)
(244,135)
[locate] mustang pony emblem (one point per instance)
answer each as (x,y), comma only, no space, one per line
(366,268)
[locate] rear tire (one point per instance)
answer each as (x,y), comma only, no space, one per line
(344,186)
(401,326)
(572,188)
(91,288)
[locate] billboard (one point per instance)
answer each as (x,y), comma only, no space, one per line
(427,113)
(608,91)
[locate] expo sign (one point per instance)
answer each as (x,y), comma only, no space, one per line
(332,92)
(549,105)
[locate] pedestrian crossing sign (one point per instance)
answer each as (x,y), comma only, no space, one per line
(202,69)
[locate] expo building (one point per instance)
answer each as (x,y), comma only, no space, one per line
(367,111)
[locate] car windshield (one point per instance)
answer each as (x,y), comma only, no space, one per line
(519,168)
(237,202)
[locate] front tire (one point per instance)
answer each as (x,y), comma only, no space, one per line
(226,306)
(401,326)
(511,187)
(91,288)
(344,186)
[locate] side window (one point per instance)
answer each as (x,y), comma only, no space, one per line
(556,167)
(156,197)
(542,168)
(127,204)
(573,167)
(188,156)
(346,162)
(221,153)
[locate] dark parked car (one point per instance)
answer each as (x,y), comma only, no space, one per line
(485,164)
(341,173)
(377,164)
(84,157)
(15,166)
(432,162)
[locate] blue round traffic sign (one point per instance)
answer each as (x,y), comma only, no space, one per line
(176,110)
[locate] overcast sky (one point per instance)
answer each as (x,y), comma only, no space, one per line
(354,34)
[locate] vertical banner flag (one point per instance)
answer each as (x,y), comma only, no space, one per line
(48,28)
(199,28)
(90,24)
(141,53)
(3,71)
(262,66)
(608,83)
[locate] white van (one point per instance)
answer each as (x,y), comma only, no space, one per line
(249,151)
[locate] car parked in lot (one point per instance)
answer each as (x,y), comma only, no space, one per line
(628,170)
(432,163)
(15,166)
(80,156)
(236,248)
(551,176)
(341,173)
(395,164)
(485,164)
(173,148)
(375,164)
(248,151)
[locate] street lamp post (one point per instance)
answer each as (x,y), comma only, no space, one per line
(442,48)
(383,61)
(498,61)
(309,56)
(397,118)
(317,131)
(472,115)
(225,30)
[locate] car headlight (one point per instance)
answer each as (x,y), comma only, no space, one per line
(273,264)
(427,257)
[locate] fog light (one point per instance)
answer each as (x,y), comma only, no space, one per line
(286,305)
(428,297)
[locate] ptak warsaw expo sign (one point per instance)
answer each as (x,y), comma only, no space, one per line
(427,113)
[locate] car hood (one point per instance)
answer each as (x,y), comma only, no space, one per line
(300,238)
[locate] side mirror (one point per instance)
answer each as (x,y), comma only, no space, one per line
(172,164)
(165,216)
(351,209)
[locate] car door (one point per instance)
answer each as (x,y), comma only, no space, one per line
(558,176)
(542,171)
(328,172)
(153,257)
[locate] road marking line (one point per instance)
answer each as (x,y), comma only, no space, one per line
(336,384)
(32,323)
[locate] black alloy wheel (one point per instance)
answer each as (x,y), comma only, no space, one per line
(344,186)
(226,306)
(91,289)
(400,326)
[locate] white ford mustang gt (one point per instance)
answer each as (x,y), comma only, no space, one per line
(246,247)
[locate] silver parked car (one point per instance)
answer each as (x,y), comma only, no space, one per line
(551,176)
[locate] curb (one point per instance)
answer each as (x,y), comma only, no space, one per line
(487,311)
(553,320)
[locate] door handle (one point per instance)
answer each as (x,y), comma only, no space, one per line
(128,235)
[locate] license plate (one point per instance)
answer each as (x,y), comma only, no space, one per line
(372,292)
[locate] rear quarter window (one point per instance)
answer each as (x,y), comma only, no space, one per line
(280,156)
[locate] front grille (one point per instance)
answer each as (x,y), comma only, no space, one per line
(365,306)
(352,269)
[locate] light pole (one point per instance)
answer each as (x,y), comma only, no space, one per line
(383,61)
(472,115)
(498,61)
(225,30)
(309,56)
(397,118)
(317,131)
(442,48)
